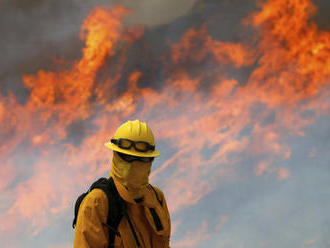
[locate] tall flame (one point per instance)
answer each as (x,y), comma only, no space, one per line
(206,119)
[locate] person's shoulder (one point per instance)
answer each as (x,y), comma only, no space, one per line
(94,206)
(96,196)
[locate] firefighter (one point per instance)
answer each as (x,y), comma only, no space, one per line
(145,222)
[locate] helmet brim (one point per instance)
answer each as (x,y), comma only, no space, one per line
(132,151)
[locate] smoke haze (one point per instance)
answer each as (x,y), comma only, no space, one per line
(237,95)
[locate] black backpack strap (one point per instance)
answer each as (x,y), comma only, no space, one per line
(117,208)
(115,214)
(123,210)
(115,203)
(76,208)
(81,198)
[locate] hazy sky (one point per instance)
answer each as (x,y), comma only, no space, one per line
(236,93)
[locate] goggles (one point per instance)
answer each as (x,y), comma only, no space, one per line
(140,146)
(130,158)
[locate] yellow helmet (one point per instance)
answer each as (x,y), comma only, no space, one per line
(134,138)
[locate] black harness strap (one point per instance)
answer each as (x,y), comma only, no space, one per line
(115,215)
(160,202)
(132,228)
(122,206)
(158,223)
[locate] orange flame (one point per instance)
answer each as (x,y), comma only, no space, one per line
(294,62)
(203,128)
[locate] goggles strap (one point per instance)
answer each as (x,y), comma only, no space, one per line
(133,143)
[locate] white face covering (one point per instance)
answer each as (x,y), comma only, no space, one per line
(133,175)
